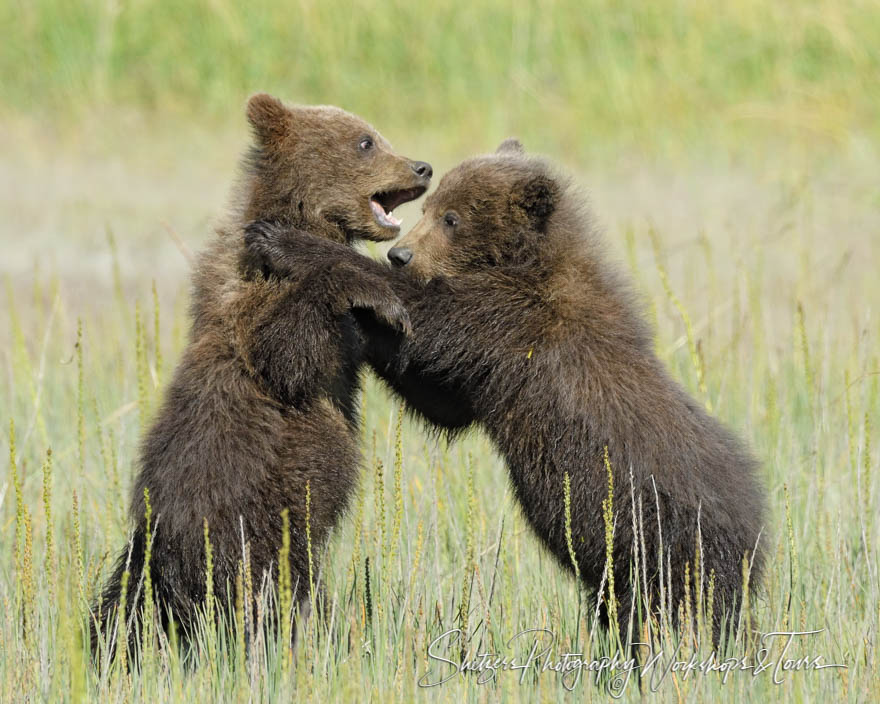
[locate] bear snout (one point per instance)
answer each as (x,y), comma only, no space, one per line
(422,169)
(400,256)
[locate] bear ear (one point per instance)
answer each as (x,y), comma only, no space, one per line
(537,197)
(511,145)
(268,117)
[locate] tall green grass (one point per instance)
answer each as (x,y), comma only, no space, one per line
(434,539)
(567,74)
(763,297)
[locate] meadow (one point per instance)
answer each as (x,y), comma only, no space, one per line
(731,156)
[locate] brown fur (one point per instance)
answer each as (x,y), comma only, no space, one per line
(521,326)
(264,400)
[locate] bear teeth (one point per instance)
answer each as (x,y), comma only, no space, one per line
(385,219)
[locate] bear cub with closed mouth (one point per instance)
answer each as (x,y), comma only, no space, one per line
(521,326)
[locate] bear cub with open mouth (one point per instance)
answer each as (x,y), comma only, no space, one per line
(262,410)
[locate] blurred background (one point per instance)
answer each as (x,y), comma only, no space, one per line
(731,151)
(127,116)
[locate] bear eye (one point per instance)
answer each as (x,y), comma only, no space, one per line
(365,144)
(450,219)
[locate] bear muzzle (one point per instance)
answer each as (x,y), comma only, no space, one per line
(400,256)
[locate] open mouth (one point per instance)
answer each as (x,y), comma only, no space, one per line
(383,204)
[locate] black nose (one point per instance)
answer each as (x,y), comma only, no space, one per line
(422,169)
(400,256)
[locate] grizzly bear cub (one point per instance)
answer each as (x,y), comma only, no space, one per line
(262,410)
(521,326)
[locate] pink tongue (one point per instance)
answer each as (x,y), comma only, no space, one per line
(382,215)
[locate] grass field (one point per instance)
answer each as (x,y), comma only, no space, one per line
(731,155)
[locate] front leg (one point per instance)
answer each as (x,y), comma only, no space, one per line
(275,249)
(393,355)
(397,360)
(295,345)
(351,281)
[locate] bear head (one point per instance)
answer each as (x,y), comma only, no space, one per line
(488,212)
(327,171)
